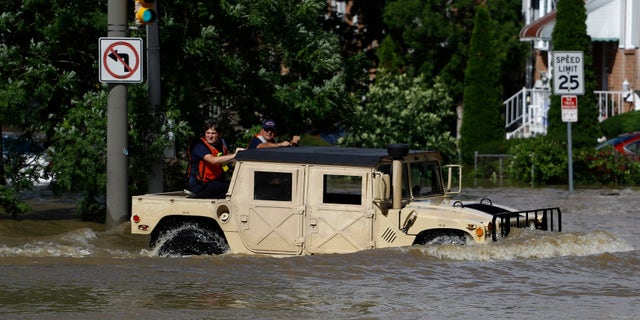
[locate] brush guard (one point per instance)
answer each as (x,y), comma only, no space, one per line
(547,219)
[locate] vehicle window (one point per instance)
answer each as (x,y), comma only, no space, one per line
(274,186)
(634,148)
(342,189)
(425,179)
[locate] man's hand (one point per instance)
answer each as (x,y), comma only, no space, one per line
(295,140)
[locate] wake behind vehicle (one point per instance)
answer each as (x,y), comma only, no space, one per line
(317,200)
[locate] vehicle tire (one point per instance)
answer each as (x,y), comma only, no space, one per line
(190,239)
(443,237)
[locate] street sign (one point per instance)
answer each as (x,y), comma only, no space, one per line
(569,108)
(568,75)
(120,60)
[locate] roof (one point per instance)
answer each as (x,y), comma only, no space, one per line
(362,157)
(603,22)
(540,29)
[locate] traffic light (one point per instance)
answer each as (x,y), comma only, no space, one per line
(145,12)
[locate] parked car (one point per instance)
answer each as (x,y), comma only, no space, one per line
(627,144)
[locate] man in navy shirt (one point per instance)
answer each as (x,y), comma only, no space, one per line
(267,137)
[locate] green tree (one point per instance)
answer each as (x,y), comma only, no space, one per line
(402,109)
(481,122)
(254,59)
(432,37)
(45,66)
(570,34)
(80,155)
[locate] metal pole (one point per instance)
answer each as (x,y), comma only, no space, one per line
(117,146)
(156,169)
(570,158)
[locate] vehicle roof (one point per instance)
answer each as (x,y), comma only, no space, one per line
(347,156)
(620,139)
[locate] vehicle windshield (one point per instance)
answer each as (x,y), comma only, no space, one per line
(425,179)
(420,179)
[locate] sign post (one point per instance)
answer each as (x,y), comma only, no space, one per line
(568,80)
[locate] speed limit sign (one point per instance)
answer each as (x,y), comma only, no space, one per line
(568,76)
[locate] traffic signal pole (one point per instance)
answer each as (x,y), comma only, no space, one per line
(117,200)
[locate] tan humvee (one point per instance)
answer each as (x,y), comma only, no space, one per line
(314,200)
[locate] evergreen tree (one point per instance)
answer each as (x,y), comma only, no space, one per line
(482,124)
(570,34)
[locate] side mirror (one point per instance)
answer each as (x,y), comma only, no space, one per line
(454,177)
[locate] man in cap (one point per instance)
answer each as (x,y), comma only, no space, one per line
(267,137)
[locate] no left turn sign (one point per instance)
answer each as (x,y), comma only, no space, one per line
(120,60)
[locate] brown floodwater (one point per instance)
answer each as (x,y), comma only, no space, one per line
(54,266)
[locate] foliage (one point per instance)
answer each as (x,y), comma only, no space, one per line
(24,161)
(570,34)
(79,155)
(619,124)
(544,160)
(402,109)
(481,121)
(45,65)
(432,37)
(10,202)
(538,160)
(606,166)
(254,59)
(156,139)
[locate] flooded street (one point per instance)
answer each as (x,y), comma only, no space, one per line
(65,268)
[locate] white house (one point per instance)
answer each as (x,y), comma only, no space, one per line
(614,28)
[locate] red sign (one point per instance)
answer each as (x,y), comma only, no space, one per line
(569,108)
(569,102)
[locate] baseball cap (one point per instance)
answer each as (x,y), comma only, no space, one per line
(269,124)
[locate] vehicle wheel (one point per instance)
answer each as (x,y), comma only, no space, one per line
(443,237)
(190,239)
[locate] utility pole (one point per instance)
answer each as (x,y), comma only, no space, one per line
(117,126)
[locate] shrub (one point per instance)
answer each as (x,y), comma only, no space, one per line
(619,124)
(537,160)
(606,166)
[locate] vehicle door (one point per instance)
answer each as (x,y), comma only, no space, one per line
(339,215)
(270,208)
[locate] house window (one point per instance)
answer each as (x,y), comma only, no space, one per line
(273,186)
(342,189)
